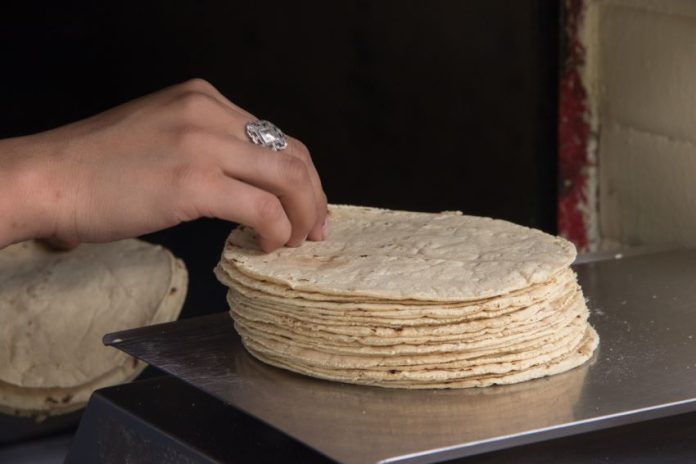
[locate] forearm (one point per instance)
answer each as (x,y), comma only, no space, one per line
(24,213)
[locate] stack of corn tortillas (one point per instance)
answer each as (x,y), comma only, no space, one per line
(411,300)
(55,307)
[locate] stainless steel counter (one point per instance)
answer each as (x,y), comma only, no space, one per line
(644,308)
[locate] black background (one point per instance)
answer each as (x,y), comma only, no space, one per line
(438,105)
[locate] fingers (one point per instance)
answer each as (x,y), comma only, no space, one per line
(319,230)
(283,175)
(289,174)
(235,201)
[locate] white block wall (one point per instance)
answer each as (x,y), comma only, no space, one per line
(643,58)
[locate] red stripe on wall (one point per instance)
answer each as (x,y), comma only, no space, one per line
(574,133)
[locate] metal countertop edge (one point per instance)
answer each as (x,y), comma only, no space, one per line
(546,433)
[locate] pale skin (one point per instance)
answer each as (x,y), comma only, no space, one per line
(172,156)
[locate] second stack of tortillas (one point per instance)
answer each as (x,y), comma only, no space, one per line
(55,307)
(411,300)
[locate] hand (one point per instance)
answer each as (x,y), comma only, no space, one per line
(172,156)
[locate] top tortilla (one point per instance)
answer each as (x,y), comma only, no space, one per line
(55,307)
(399,255)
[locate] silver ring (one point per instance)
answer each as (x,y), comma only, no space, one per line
(267,135)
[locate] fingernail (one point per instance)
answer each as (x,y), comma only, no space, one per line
(326,228)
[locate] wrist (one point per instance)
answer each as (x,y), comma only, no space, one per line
(25,211)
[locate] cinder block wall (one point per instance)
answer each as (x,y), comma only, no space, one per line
(642,77)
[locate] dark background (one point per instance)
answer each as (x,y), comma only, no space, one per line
(437,105)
